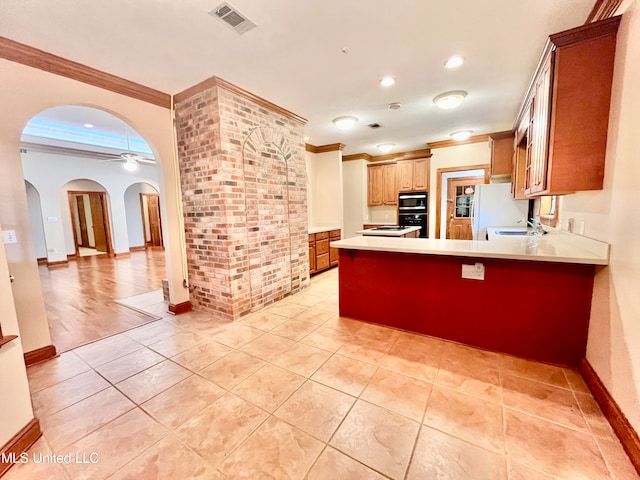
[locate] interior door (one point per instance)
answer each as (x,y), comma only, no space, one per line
(82,221)
(459,202)
(99,227)
(153,213)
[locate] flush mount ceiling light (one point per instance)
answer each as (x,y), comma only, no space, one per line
(387,81)
(461,135)
(130,165)
(395,105)
(448,100)
(454,62)
(385,147)
(345,122)
(87,125)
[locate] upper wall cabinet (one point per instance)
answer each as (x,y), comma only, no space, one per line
(413,175)
(501,145)
(382,184)
(561,128)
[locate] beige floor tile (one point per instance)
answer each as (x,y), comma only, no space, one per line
(421,364)
(152,332)
(333,464)
(617,460)
(316,409)
(82,418)
(366,350)
(546,401)
(231,369)
(345,374)
(518,471)
(378,438)
(441,456)
(474,378)
(167,460)
(179,403)
(467,355)
(115,444)
(148,383)
(303,359)
(177,343)
(36,468)
(268,347)
(596,420)
(216,431)
(329,304)
(263,320)
(306,299)
(294,329)
(399,393)
(552,448)
(63,367)
(343,325)
(275,450)
(269,387)
(467,417)
(576,382)
(320,339)
(314,315)
(235,335)
(378,333)
(108,349)
(415,341)
(61,395)
(202,355)
(287,309)
(128,365)
(539,372)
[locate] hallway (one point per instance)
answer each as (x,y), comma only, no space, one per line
(80,299)
(296,392)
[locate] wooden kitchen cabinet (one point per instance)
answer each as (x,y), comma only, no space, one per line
(312,253)
(382,185)
(334,235)
(501,145)
(321,256)
(412,175)
(522,152)
(568,104)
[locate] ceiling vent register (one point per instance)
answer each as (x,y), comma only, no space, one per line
(231,17)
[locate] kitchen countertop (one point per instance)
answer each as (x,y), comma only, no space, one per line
(388,233)
(557,246)
(323,229)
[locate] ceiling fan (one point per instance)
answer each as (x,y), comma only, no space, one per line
(131,160)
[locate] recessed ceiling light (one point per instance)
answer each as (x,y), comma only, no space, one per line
(87,125)
(395,105)
(306,139)
(461,135)
(449,100)
(454,62)
(387,81)
(345,122)
(385,147)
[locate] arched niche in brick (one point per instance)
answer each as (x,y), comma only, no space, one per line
(268,172)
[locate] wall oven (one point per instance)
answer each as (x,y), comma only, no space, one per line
(412,211)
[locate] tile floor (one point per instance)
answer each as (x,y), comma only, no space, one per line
(295,392)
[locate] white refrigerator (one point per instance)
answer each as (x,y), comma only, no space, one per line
(494,207)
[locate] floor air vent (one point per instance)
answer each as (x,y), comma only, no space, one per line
(232,18)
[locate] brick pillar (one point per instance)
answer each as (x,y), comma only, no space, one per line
(243,180)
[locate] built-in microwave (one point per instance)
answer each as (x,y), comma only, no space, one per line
(412,202)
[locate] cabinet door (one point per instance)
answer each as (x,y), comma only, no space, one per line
(420,174)
(390,184)
(501,154)
(374,185)
(312,258)
(405,175)
(540,130)
(333,253)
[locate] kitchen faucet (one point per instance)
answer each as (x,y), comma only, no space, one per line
(535,224)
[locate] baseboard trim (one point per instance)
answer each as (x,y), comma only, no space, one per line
(137,249)
(60,263)
(73,256)
(42,261)
(179,308)
(621,426)
(39,355)
(122,255)
(20,442)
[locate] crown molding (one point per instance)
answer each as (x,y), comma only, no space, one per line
(603,9)
(217,82)
(456,143)
(357,156)
(334,147)
(33,57)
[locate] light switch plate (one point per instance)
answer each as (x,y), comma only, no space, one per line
(9,236)
(473,272)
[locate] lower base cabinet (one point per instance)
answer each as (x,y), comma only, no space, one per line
(321,256)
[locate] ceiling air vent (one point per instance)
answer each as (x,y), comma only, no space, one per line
(374,125)
(232,18)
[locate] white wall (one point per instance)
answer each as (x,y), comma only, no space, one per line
(354,182)
(613,347)
(35,217)
(53,175)
(134,212)
(324,172)
(456,156)
(16,409)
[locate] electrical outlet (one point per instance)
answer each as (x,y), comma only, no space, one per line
(473,272)
(9,236)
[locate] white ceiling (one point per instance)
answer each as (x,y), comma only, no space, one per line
(294,57)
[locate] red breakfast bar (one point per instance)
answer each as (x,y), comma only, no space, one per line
(529,296)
